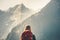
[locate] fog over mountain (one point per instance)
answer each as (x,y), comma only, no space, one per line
(45,23)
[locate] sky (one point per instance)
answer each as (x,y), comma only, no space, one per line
(32,4)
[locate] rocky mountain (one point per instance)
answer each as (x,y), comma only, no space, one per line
(45,24)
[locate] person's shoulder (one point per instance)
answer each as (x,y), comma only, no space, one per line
(33,35)
(34,38)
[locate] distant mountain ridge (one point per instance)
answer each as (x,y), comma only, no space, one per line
(20,7)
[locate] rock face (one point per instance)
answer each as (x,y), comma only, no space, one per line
(45,24)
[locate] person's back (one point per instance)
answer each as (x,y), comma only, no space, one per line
(27,34)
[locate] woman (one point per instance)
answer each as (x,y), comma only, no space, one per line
(27,34)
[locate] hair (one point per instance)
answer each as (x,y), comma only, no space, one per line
(28,28)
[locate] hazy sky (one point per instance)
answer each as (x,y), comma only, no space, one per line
(32,4)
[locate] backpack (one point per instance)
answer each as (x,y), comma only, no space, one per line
(27,35)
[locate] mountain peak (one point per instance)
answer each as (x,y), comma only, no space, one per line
(23,8)
(22,5)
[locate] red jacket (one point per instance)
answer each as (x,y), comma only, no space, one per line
(27,35)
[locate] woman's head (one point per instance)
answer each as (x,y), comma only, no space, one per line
(28,28)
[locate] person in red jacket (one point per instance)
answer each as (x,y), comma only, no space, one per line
(27,34)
